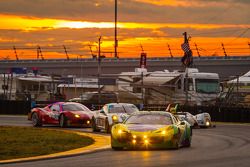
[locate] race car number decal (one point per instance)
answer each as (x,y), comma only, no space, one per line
(52,115)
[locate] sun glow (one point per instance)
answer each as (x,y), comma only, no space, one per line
(28,24)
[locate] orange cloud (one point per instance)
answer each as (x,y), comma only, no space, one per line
(183,3)
(29,24)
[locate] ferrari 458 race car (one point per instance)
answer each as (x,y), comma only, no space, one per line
(111,114)
(63,114)
(151,129)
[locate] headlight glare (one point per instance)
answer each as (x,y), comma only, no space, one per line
(207,123)
(119,131)
(77,116)
(115,118)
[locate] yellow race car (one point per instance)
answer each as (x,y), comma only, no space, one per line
(151,130)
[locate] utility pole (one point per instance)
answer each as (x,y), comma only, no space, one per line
(186,70)
(225,53)
(15,53)
(92,54)
(198,53)
(11,81)
(99,69)
(142,50)
(142,92)
(39,52)
(66,52)
(116,41)
(170,52)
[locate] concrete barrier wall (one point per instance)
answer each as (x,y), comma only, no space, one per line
(14,107)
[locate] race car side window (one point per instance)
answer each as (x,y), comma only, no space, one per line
(55,107)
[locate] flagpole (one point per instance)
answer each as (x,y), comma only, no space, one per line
(186,70)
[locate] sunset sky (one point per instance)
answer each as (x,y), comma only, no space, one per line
(154,24)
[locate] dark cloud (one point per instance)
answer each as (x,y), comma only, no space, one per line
(233,12)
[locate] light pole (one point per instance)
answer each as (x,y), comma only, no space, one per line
(99,68)
(116,41)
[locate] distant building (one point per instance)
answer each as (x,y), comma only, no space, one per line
(28,86)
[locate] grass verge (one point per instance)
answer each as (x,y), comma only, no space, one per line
(21,142)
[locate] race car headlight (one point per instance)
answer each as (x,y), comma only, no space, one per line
(119,131)
(207,123)
(88,122)
(162,132)
(115,118)
(77,116)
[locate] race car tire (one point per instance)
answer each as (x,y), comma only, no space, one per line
(62,121)
(35,120)
(176,145)
(107,126)
(94,127)
(189,144)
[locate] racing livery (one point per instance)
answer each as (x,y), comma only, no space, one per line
(111,114)
(61,113)
(151,129)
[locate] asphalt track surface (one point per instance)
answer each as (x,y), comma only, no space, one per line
(223,146)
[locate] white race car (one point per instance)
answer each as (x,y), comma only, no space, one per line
(111,114)
(186,116)
(199,120)
(204,119)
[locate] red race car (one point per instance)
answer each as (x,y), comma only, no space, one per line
(63,114)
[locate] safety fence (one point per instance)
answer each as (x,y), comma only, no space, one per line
(218,113)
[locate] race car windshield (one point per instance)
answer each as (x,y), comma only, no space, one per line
(116,109)
(150,119)
(130,109)
(74,107)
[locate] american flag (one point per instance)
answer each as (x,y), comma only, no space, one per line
(187,59)
(185,47)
